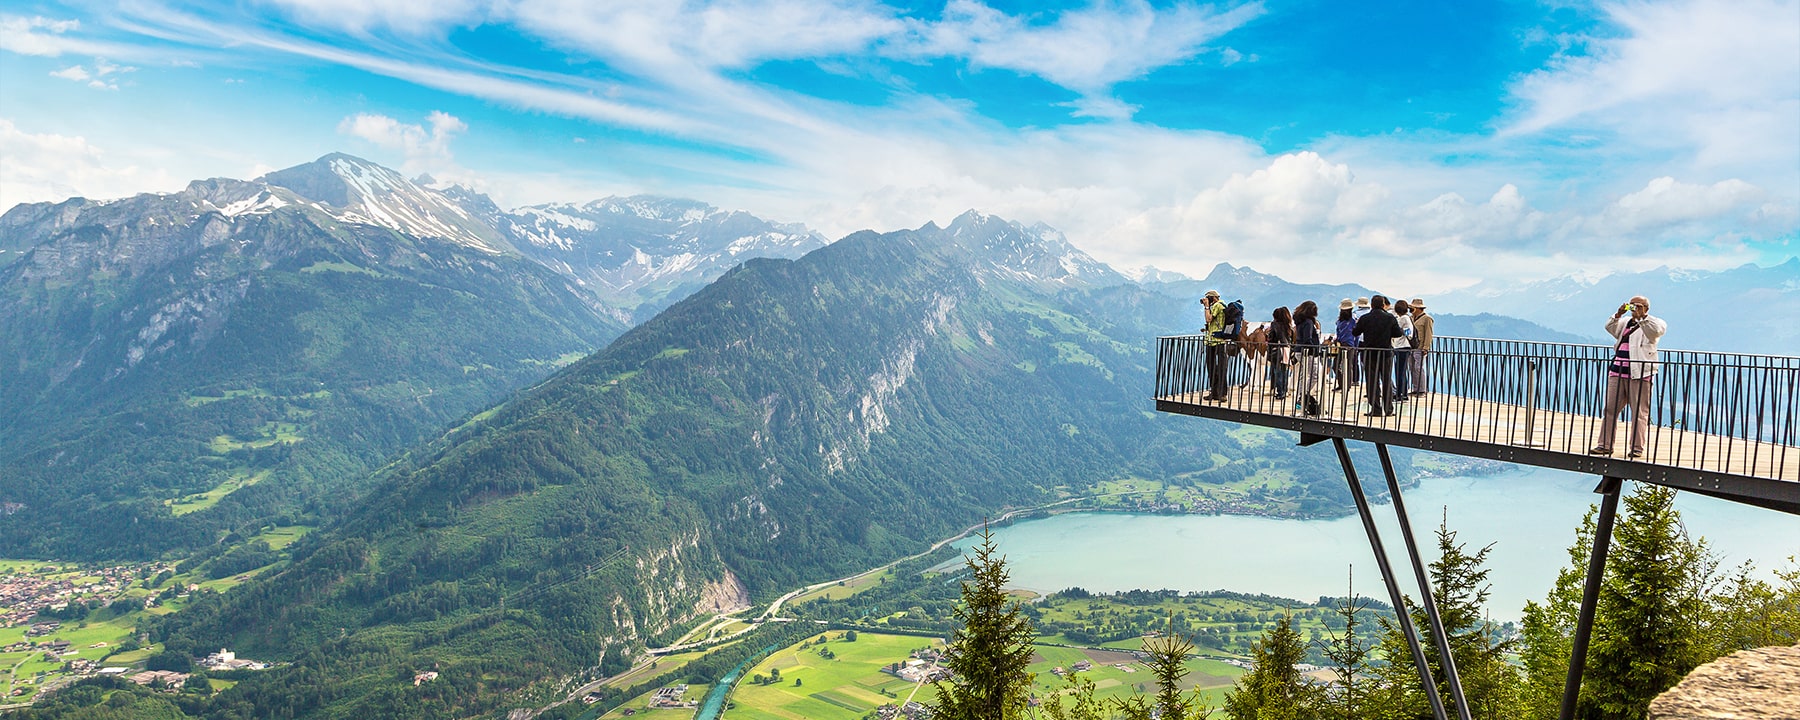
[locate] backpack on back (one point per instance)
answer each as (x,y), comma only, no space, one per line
(1234,320)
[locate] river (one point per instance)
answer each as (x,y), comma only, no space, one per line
(1529,515)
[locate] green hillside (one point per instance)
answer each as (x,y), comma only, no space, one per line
(794,421)
(174,375)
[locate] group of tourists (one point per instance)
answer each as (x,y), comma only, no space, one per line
(1387,352)
(1384,350)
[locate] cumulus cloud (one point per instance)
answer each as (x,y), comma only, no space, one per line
(425,148)
(1666,204)
(48,167)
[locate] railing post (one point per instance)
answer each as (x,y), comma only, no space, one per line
(1531,368)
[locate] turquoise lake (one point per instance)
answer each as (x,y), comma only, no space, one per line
(1530,516)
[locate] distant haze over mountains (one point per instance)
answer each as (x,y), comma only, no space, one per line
(1751,308)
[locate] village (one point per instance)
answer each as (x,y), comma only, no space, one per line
(25,593)
(63,623)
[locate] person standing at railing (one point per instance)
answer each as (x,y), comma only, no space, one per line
(1421,346)
(1356,315)
(1346,337)
(1402,350)
(1376,332)
(1307,352)
(1630,376)
(1281,348)
(1215,346)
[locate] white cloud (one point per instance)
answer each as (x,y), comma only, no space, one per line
(1714,82)
(98,79)
(35,35)
(51,167)
(409,16)
(1088,49)
(1665,204)
(426,150)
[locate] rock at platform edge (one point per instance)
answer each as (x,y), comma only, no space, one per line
(1745,685)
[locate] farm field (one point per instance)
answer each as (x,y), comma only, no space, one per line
(852,684)
(845,687)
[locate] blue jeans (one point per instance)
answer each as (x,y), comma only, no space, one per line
(1402,374)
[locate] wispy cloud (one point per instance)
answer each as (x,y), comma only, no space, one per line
(1600,147)
(1087,50)
(1715,82)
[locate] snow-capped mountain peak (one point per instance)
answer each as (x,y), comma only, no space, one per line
(358,191)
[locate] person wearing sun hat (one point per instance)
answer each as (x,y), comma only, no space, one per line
(1421,346)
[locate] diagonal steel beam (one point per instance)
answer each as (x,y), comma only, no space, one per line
(1387,577)
(1590,594)
(1438,636)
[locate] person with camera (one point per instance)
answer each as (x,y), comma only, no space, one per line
(1631,374)
(1215,347)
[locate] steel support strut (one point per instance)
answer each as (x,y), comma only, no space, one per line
(1438,636)
(1590,594)
(1387,577)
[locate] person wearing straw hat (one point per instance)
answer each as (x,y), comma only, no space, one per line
(1630,375)
(1421,346)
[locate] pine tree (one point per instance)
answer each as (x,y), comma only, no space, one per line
(1459,587)
(1273,688)
(1349,655)
(1646,634)
(989,651)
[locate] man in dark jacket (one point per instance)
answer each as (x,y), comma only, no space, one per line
(1377,331)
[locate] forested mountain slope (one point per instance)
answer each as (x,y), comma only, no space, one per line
(179,366)
(793,421)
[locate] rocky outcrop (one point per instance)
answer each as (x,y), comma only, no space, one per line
(1760,683)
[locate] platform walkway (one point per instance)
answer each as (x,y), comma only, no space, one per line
(1721,424)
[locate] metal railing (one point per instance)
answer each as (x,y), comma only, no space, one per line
(1716,412)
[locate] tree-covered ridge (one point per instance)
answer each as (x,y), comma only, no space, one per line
(794,421)
(175,372)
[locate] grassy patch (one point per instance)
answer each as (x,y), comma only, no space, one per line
(279,538)
(343,267)
(201,501)
(271,433)
(843,590)
(844,687)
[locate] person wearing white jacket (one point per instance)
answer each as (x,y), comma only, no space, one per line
(1630,375)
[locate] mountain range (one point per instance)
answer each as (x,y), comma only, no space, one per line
(792,421)
(243,352)
(512,484)
(1747,309)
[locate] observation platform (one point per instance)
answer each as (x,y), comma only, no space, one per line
(1721,424)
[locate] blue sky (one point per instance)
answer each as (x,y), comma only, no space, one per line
(1429,143)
